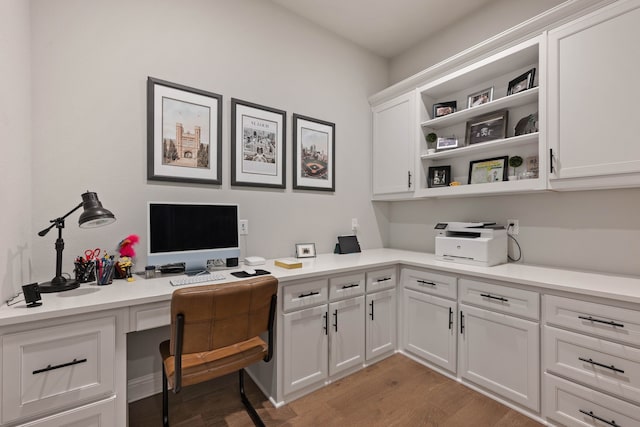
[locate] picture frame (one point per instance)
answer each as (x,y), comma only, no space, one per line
(522,82)
(446,143)
(313,154)
(487,127)
(184,133)
(481,97)
(441,109)
(258,145)
(305,250)
(439,176)
(488,170)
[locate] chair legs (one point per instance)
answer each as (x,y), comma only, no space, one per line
(248,406)
(165,400)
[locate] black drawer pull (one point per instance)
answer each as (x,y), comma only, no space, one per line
(606,322)
(424,282)
(310,294)
(325,317)
(371,304)
(613,368)
(450,317)
(461,323)
(353,285)
(595,417)
(64,365)
(383,279)
(492,297)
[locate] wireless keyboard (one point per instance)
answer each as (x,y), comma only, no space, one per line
(199,278)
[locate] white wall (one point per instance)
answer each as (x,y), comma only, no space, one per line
(15,162)
(91,62)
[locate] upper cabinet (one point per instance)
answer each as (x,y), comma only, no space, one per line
(593,115)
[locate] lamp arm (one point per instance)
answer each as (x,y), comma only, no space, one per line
(58,221)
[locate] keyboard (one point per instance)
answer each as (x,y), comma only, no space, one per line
(198,278)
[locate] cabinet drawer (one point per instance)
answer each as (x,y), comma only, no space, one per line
(501,298)
(596,319)
(426,281)
(574,405)
(51,368)
(97,414)
(150,316)
(346,286)
(305,294)
(381,279)
(614,368)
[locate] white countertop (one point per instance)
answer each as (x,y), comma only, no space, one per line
(90,297)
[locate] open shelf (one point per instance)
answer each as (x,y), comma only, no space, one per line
(513,141)
(491,188)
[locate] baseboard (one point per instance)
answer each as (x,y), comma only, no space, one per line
(145,386)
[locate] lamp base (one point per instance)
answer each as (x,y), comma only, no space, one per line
(51,287)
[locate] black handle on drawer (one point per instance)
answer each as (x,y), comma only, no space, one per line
(384,279)
(461,322)
(64,365)
(551,168)
(353,285)
(335,318)
(371,314)
(424,282)
(325,317)
(310,294)
(606,322)
(450,318)
(613,368)
(595,417)
(493,297)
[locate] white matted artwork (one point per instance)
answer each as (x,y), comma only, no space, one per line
(313,154)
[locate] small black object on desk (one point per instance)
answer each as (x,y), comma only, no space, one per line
(347,245)
(31,295)
(244,274)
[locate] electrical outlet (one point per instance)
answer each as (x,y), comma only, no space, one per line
(513,227)
(354,224)
(244,227)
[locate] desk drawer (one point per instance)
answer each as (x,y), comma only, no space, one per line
(381,279)
(149,316)
(48,369)
(605,321)
(305,294)
(611,367)
(501,298)
(573,405)
(433,283)
(346,286)
(97,414)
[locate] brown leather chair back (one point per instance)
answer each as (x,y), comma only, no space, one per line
(219,315)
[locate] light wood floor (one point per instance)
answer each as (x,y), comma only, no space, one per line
(394,392)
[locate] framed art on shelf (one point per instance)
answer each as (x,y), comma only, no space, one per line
(439,176)
(305,250)
(446,143)
(487,127)
(480,97)
(444,108)
(313,154)
(522,82)
(488,170)
(258,145)
(184,133)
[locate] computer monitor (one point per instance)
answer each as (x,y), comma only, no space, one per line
(192,233)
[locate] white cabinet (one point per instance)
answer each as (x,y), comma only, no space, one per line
(394,146)
(380,324)
(346,336)
(593,108)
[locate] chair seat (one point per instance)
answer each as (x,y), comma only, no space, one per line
(206,365)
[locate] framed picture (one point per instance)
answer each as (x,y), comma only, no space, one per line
(305,250)
(313,154)
(522,82)
(481,97)
(488,170)
(443,108)
(487,127)
(258,145)
(184,133)
(439,176)
(446,143)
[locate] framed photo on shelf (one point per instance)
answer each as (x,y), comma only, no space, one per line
(258,145)
(446,143)
(305,250)
(481,97)
(444,108)
(313,154)
(439,176)
(522,82)
(487,127)
(184,133)
(488,170)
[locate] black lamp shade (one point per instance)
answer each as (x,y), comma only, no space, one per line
(94,215)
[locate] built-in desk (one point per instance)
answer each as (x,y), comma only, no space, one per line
(91,323)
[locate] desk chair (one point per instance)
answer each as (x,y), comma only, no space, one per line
(214,331)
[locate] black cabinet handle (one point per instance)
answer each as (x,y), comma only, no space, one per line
(550,160)
(606,322)
(325,317)
(63,365)
(335,317)
(461,322)
(493,297)
(595,417)
(424,282)
(613,368)
(409,178)
(371,314)
(450,318)
(353,285)
(310,294)
(383,279)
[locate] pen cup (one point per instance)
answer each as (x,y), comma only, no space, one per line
(105,272)
(85,271)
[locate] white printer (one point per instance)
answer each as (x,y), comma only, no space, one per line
(475,243)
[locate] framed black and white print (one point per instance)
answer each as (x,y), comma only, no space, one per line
(305,250)
(522,82)
(258,145)
(487,127)
(313,154)
(184,133)
(439,176)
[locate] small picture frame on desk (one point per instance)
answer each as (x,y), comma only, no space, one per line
(305,250)
(522,82)
(444,108)
(439,176)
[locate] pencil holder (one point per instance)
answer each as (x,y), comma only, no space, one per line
(85,271)
(104,272)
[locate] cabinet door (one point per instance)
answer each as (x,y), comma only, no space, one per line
(346,322)
(381,323)
(394,130)
(430,328)
(592,109)
(501,353)
(305,348)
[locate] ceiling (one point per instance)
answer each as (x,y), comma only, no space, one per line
(385,27)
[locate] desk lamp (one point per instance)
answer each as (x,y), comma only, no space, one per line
(94,215)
